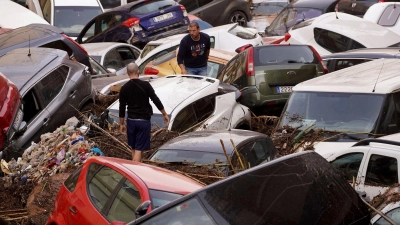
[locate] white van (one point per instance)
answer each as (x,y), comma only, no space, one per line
(71,16)
(386,14)
(351,104)
(19,17)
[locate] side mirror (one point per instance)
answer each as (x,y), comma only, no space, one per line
(111,70)
(142,208)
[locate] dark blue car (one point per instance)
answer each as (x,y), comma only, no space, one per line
(136,23)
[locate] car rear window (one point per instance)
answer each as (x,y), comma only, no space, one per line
(159,198)
(19,36)
(242,32)
(389,16)
(278,55)
(151,6)
(147,49)
(164,58)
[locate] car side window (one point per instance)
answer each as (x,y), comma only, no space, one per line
(246,161)
(136,53)
(204,107)
(348,164)
(212,41)
(51,85)
(102,185)
(45,5)
(236,68)
(334,42)
(112,60)
(125,203)
(226,75)
(105,22)
(31,105)
(184,119)
(344,63)
(393,214)
(187,212)
(155,56)
(126,55)
(72,180)
(190,5)
(382,170)
(390,16)
(260,151)
(90,32)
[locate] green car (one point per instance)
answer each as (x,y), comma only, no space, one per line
(266,74)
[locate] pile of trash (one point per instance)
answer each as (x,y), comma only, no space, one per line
(57,152)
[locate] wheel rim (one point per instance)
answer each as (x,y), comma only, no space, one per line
(238,18)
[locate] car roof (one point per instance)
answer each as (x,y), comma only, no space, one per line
(44,26)
(366,53)
(316,4)
(19,67)
(356,28)
(156,178)
(209,140)
(76,3)
(100,48)
(19,17)
(380,76)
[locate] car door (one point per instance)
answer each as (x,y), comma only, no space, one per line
(380,172)
(106,195)
(35,115)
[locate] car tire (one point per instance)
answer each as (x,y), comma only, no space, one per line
(238,17)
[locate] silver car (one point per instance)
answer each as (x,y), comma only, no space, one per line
(50,85)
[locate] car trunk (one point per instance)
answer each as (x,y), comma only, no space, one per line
(279,79)
(163,19)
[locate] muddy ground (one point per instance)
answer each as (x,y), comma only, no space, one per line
(26,202)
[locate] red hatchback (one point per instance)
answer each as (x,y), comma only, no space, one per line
(106,190)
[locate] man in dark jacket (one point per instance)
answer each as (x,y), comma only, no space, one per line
(136,94)
(193,51)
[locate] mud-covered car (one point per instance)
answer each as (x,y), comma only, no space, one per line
(51,86)
(196,103)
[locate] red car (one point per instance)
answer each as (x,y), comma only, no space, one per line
(106,190)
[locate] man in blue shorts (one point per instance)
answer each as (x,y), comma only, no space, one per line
(193,51)
(136,94)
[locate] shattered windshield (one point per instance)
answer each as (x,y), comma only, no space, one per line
(343,112)
(288,18)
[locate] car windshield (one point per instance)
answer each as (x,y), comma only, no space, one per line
(72,19)
(147,49)
(202,158)
(288,18)
(265,8)
(159,198)
(242,32)
(147,7)
(342,112)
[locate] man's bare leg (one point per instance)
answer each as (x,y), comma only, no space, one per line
(133,154)
(137,156)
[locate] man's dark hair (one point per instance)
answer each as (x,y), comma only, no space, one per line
(194,24)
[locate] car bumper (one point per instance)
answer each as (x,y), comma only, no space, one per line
(252,98)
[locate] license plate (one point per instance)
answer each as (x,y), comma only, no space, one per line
(163,17)
(284,89)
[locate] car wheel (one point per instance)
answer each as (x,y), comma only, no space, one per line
(238,17)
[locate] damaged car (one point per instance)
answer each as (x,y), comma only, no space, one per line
(196,103)
(204,148)
(51,87)
(300,188)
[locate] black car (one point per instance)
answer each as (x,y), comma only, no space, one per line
(341,60)
(204,147)
(296,12)
(301,188)
(136,23)
(219,12)
(358,7)
(43,35)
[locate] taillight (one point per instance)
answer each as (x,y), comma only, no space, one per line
(319,58)
(244,47)
(250,63)
(183,10)
(76,43)
(150,71)
(131,22)
(287,37)
(382,1)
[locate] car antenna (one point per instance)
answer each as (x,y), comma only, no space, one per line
(378,77)
(29,46)
(172,68)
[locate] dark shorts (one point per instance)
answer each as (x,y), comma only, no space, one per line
(138,132)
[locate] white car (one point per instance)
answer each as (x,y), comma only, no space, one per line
(338,32)
(372,164)
(113,55)
(385,14)
(19,17)
(196,103)
(226,37)
(71,16)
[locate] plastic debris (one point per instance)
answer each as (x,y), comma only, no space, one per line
(97,151)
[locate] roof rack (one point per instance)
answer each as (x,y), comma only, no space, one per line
(375,140)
